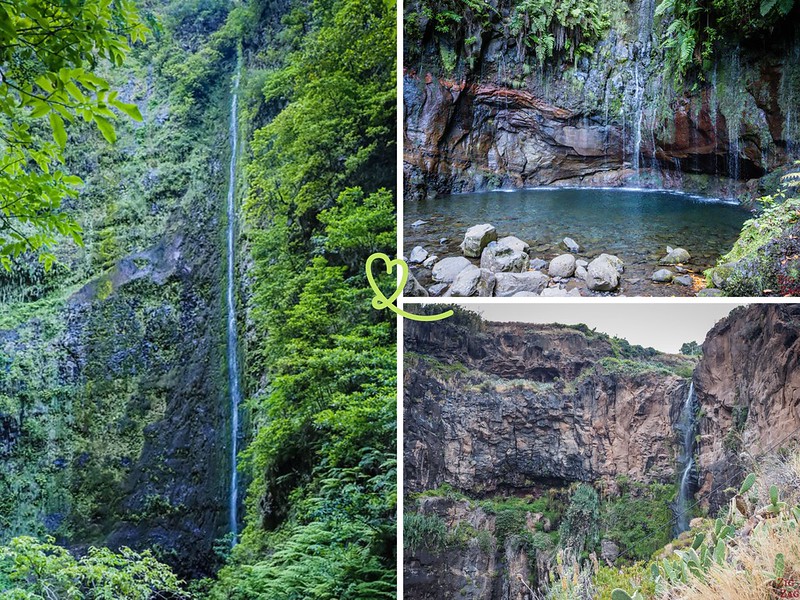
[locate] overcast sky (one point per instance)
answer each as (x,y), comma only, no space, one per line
(665,327)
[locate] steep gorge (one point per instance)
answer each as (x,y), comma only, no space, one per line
(503,421)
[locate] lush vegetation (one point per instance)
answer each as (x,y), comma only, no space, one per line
(49,54)
(693,28)
(764,260)
(87,394)
(30,570)
(320,361)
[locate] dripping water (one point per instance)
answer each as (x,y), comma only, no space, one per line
(686,427)
(641,62)
(734,122)
(233,342)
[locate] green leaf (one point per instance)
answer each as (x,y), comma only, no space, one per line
(106,128)
(130,109)
(780,565)
(59,133)
(747,484)
(773,495)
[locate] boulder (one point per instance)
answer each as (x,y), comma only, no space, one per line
(413,288)
(477,238)
(582,263)
(509,284)
(683,280)
(609,551)
(557,292)
(515,243)
(418,255)
(710,293)
(437,289)
(602,274)
(562,266)
(662,276)
(430,261)
(571,244)
(445,270)
(537,263)
(676,256)
(580,272)
(502,258)
(721,275)
(473,281)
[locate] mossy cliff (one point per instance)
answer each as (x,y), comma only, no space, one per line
(597,92)
(112,389)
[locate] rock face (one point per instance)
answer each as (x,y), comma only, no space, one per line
(520,423)
(748,389)
(492,119)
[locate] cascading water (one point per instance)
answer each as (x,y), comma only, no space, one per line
(233,336)
(686,427)
(734,118)
(641,62)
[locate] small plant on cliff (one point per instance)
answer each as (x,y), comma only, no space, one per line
(550,28)
(579,529)
(423,531)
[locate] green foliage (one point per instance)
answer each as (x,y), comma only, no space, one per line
(320,368)
(639,520)
(693,28)
(49,53)
(579,530)
(31,569)
(550,28)
(762,258)
(691,349)
(423,531)
(609,580)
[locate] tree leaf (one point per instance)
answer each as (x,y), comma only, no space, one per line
(106,128)
(131,110)
(59,133)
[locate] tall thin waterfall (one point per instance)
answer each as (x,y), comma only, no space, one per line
(686,426)
(233,336)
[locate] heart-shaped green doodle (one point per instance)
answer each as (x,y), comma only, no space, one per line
(380,301)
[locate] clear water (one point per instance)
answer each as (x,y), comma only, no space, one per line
(233,337)
(636,225)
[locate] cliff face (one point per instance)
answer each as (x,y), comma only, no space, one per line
(748,390)
(494,117)
(113,410)
(519,411)
(524,406)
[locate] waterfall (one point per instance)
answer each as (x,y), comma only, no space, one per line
(233,336)
(686,427)
(735,116)
(641,61)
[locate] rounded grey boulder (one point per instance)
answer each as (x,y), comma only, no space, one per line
(477,238)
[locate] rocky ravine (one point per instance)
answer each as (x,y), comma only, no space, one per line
(611,118)
(517,409)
